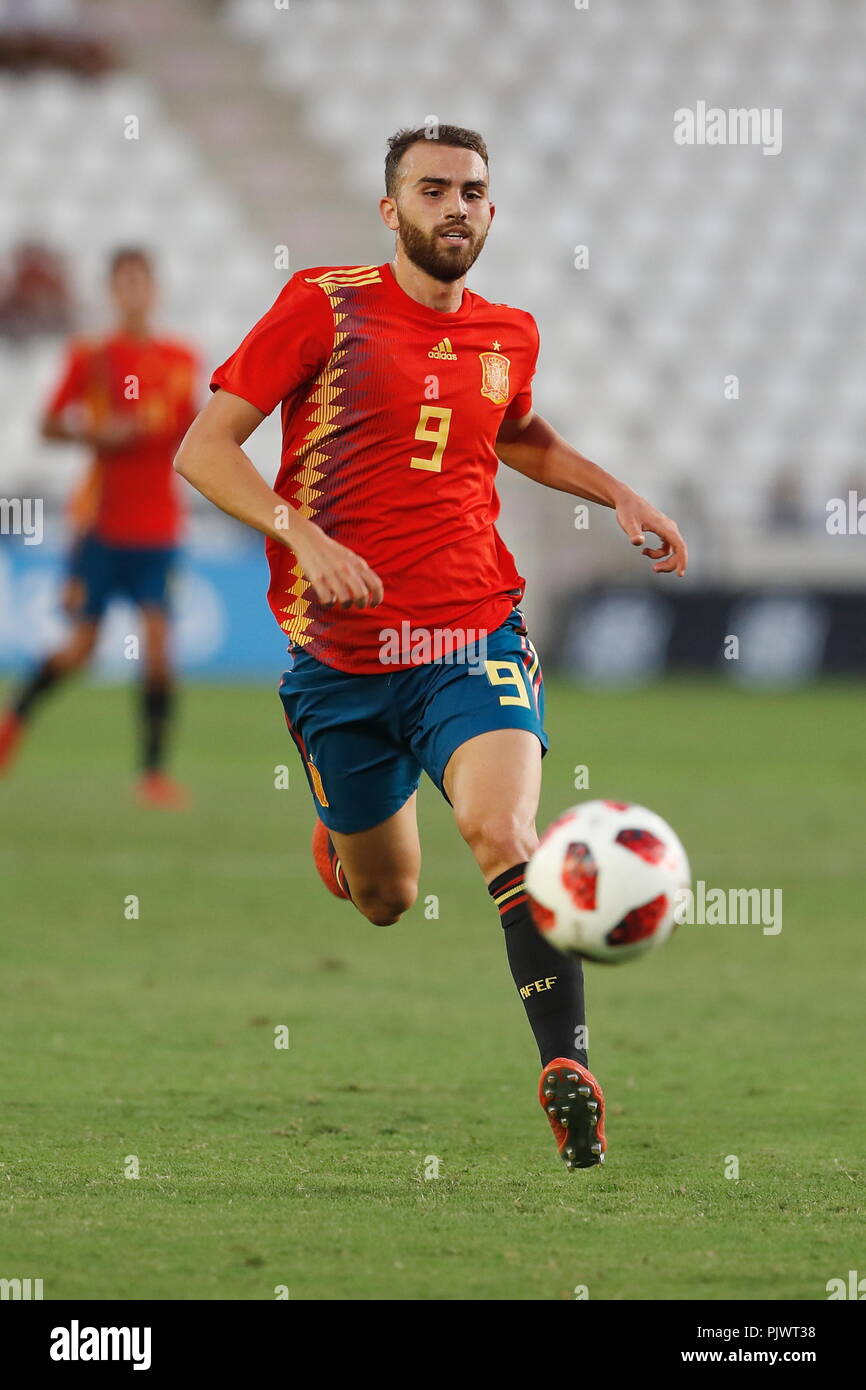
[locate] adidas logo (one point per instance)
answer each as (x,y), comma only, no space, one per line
(444,351)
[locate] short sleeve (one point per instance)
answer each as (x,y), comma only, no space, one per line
(72,383)
(521,403)
(286,348)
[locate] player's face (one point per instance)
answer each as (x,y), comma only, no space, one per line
(133,289)
(442,208)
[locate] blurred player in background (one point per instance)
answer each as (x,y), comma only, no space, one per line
(129,397)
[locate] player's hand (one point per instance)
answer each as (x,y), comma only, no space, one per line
(637,516)
(117,432)
(336,573)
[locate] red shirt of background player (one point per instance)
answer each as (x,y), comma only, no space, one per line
(390,413)
(129,497)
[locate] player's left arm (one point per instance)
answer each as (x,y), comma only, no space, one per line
(532,447)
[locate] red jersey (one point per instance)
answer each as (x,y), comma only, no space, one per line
(129,497)
(390,413)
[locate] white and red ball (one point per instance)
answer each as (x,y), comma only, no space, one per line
(603,882)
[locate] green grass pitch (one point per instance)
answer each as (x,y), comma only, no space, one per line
(259,1167)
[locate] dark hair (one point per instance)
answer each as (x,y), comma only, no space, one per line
(454,135)
(124,254)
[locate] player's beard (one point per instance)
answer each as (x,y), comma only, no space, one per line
(430,254)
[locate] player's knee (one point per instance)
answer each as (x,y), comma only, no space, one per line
(157,667)
(79,650)
(384,903)
(497,838)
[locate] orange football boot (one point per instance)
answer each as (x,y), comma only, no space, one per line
(11,729)
(574,1102)
(327,862)
(155,789)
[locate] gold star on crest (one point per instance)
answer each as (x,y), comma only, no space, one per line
(496,345)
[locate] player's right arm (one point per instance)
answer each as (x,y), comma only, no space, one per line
(212,460)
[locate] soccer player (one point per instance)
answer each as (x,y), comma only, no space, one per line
(129,398)
(399,390)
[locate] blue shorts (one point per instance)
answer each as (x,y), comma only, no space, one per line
(114,571)
(365,740)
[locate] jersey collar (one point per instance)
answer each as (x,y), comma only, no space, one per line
(420,311)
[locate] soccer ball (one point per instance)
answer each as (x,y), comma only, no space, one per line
(603,881)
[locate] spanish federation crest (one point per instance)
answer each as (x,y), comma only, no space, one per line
(494,379)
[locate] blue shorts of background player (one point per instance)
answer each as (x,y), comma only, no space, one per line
(365,739)
(99,572)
